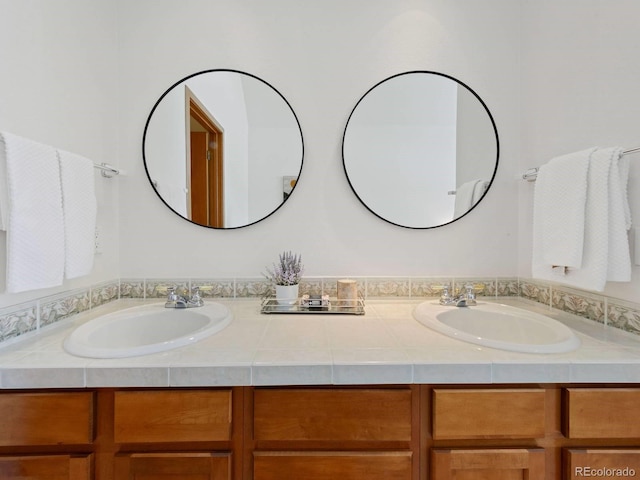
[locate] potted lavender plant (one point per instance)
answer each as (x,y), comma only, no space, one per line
(286,275)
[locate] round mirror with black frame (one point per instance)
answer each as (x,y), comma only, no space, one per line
(420,149)
(223,148)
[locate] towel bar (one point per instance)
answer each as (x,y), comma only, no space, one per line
(532,173)
(107,170)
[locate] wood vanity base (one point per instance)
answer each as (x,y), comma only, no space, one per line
(403,432)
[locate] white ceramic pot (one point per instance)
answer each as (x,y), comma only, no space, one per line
(287,294)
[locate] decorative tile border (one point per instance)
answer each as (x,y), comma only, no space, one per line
(30,316)
(215,288)
(578,303)
(131,288)
(388,287)
(157,288)
(58,307)
(104,293)
(507,287)
(428,287)
(482,287)
(18,320)
(253,288)
(536,291)
(623,315)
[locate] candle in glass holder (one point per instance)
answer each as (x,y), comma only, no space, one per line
(347,293)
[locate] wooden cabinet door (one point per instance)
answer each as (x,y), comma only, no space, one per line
(602,413)
(488,413)
(173,466)
(172,416)
(336,414)
(488,464)
(602,463)
(46,467)
(46,418)
(332,466)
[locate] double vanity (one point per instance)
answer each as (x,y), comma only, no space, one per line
(397,393)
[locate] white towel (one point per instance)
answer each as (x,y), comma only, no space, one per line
(605,253)
(4,186)
(79,207)
(464,198)
(619,260)
(35,230)
(478,191)
(559,201)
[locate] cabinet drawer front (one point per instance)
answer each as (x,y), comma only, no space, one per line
(172,416)
(46,418)
(602,463)
(488,413)
(332,414)
(487,464)
(602,413)
(332,465)
(185,466)
(45,467)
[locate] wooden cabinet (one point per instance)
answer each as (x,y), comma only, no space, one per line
(167,466)
(189,432)
(172,416)
(602,413)
(46,467)
(46,418)
(488,464)
(329,433)
(332,465)
(35,423)
(488,413)
(602,463)
(404,432)
(333,414)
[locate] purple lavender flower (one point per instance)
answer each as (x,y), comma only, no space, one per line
(288,270)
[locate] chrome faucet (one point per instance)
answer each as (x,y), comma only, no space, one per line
(178,301)
(463,299)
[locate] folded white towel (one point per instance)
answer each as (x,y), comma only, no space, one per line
(79,209)
(34,222)
(464,198)
(619,259)
(4,190)
(559,201)
(605,252)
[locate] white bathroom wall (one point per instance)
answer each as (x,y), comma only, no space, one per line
(58,87)
(581,88)
(322,56)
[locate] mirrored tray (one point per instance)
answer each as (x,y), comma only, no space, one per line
(315,304)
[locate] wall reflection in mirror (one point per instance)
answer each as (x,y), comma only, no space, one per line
(420,149)
(223,148)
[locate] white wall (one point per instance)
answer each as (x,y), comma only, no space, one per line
(575,76)
(322,57)
(581,88)
(58,87)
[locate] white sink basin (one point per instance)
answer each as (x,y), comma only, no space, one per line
(499,326)
(146,329)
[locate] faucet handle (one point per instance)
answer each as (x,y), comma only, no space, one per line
(196,299)
(171,291)
(445,298)
(470,294)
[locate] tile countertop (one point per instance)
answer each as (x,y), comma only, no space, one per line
(384,346)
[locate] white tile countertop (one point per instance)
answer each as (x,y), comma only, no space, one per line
(384,346)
